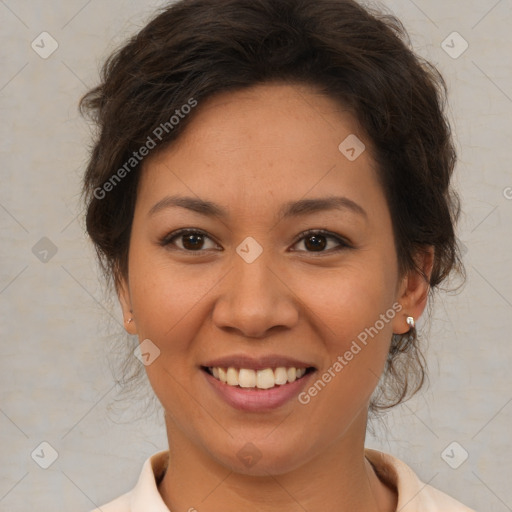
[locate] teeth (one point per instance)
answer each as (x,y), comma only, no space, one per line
(246,378)
(292,374)
(222,375)
(265,379)
(261,379)
(280,376)
(232,375)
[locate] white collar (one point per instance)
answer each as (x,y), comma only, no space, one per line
(413,494)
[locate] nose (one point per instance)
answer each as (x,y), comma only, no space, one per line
(255,298)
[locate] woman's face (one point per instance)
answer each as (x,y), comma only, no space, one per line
(251,291)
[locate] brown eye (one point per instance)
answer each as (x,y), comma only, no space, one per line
(192,241)
(317,241)
(188,240)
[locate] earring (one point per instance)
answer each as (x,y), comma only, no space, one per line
(410,322)
(129,320)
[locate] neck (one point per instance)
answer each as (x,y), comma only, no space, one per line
(340,478)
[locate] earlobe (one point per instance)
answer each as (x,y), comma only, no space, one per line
(123,294)
(129,324)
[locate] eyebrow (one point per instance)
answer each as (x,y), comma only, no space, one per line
(290,209)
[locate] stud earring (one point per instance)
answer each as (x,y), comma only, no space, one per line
(410,322)
(129,320)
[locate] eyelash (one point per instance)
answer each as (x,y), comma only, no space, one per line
(168,240)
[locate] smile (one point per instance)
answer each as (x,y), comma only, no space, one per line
(266,378)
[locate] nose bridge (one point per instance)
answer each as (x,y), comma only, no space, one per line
(254,299)
(256,274)
(254,285)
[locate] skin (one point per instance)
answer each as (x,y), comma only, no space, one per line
(250,152)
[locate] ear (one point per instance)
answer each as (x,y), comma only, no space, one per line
(413,290)
(123,293)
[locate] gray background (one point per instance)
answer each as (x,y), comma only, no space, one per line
(56,384)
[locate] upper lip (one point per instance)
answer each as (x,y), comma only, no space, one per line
(256,363)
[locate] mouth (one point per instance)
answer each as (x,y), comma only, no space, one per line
(257,384)
(264,378)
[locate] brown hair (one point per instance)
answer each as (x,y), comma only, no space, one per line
(361,58)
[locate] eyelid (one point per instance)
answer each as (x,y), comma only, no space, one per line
(343,242)
(167,239)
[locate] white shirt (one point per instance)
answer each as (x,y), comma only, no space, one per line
(413,494)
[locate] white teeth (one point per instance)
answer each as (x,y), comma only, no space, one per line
(280,375)
(261,379)
(246,378)
(232,375)
(265,379)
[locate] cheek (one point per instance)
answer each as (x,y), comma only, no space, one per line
(162,293)
(352,298)
(357,343)
(357,317)
(164,301)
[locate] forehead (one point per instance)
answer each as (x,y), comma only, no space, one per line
(269,142)
(288,113)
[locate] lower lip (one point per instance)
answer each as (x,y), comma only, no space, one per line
(257,400)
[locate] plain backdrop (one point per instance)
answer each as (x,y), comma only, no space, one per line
(56,386)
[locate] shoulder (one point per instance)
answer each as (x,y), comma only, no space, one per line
(413,494)
(120,504)
(144,497)
(444,502)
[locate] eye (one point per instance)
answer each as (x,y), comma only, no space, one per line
(192,240)
(317,241)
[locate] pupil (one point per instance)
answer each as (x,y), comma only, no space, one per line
(196,241)
(318,242)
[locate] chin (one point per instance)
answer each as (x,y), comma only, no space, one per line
(262,458)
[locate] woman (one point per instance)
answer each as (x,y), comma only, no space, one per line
(270,194)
